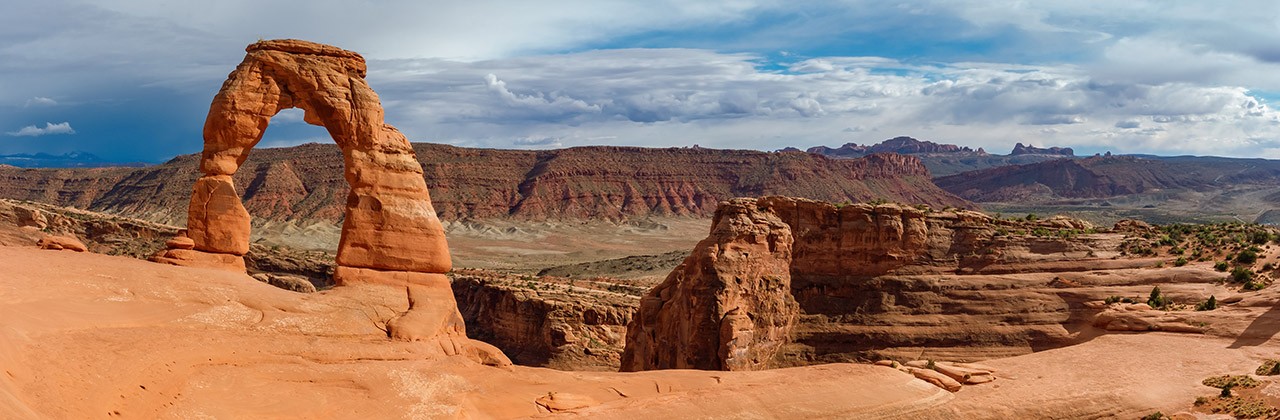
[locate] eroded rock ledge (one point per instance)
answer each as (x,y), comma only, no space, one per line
(784,281)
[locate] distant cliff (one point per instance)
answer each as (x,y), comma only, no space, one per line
(1019,149)
(900,145)
(304,183)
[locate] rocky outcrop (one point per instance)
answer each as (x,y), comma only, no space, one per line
(540,322)
(59,242)
(1019,149)
(874,281)
(728,306)
(304,184)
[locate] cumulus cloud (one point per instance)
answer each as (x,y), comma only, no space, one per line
(680,96)
(39,101)
(49,128)
(1162,77)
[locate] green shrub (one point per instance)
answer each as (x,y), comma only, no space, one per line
(1157,299)
(1241,275)
(1221,266)
(1254,286)
(1208,305)
(1224,381)
(1270,367)
(1248,256)
(1111,299)
(1154,416)
(1181,261)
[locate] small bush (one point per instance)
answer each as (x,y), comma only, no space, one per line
(1241,275)
(1111,299)
(1254,286)
(1154,416)
(1270,367)
(1181,261)
(1247,256)
(1221,266)
(1157,299)
(1224,381)
(1208,305)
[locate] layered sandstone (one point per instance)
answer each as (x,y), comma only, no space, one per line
(876,281)
(557,323)
(303,184)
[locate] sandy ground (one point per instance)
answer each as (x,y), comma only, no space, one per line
(90,336)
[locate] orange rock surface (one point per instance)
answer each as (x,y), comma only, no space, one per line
(97,336)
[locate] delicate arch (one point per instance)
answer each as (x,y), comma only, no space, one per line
(390,224)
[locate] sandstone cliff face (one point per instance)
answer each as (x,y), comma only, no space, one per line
(874,281)
(728,306)
(305,183)
(544,324)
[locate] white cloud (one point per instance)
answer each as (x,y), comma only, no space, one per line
(49,128)
(678,97)
(538,142)
(40,101)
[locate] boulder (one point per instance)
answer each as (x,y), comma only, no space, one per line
(180,242)
(287,281)
(58,242)
(936,378)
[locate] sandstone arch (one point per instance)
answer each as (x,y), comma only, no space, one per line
(390,232)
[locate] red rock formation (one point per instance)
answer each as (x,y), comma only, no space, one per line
(883,280)
(728,306)
(390,233)
(389,221)
(304,184)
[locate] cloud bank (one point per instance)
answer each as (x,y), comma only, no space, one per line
(1140,76)
(49,128)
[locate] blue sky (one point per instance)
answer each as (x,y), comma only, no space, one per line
(131,80)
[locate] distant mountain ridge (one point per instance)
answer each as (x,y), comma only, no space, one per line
(944,159)
(305,183)
(901,145)
(66,160)
(1109,176)
(1019,149)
